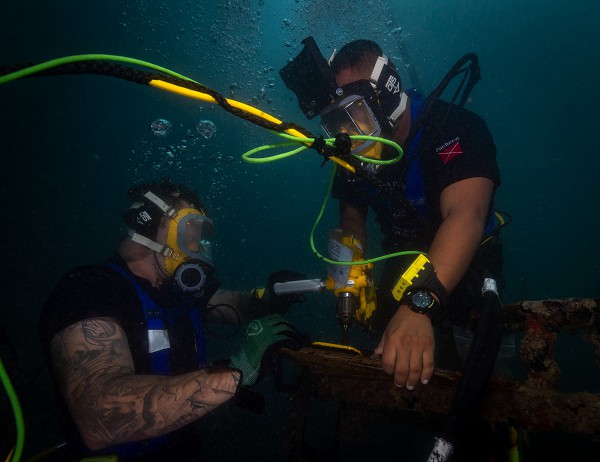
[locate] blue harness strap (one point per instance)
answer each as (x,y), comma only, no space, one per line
(156,318)
(415,189)
(159,359)
(159,348)
(493,224)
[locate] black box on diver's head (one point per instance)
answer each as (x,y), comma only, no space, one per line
(309,76)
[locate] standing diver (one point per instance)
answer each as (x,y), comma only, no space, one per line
(439,200)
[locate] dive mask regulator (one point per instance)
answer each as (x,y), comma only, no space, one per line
(187,251)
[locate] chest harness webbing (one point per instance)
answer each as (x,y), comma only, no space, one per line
(157,321)
(415,188)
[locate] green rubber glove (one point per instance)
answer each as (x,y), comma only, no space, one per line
(263,337)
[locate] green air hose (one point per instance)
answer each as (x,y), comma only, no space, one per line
(295,140)
(18,413)
(188,87)
(37,68)
(185,86)
(347,263)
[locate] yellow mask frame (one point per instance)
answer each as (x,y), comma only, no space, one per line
(188,237)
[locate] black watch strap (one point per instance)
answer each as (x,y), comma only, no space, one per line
(420,275)
(434,285)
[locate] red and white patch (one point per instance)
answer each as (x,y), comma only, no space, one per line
(449,150)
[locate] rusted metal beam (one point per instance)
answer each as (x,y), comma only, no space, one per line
(361,380)
(536,403)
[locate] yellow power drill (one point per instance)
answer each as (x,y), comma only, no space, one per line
(352,285)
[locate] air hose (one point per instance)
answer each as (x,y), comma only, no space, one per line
(346,263)
(174,82)
(18,414)
(165,79)
(476,371)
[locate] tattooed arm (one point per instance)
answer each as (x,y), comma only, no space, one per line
(110,404)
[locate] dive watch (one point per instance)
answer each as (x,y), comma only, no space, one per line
(422,301)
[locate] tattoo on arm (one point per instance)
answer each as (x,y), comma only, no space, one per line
(110,404)
(98,332)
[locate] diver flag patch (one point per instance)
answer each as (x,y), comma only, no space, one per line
(449,150)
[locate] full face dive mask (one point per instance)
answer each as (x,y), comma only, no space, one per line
(187,250)
(364,107)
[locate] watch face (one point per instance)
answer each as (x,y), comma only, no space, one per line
(421,299)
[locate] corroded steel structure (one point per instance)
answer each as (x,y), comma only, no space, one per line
(535,403)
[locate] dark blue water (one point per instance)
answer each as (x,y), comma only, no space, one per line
(71,145)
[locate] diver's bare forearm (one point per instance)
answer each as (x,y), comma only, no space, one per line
(110,404)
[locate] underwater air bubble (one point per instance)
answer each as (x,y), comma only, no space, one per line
(206,128)
(161,127)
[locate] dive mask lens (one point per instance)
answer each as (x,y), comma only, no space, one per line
(351,115)
(194,237)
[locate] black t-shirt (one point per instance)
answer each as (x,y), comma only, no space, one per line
(99,291)
(455,144)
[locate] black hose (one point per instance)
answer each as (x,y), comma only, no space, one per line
(478,365)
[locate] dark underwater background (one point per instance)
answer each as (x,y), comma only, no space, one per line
(71,145)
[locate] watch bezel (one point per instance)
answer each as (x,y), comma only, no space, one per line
(420,296)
